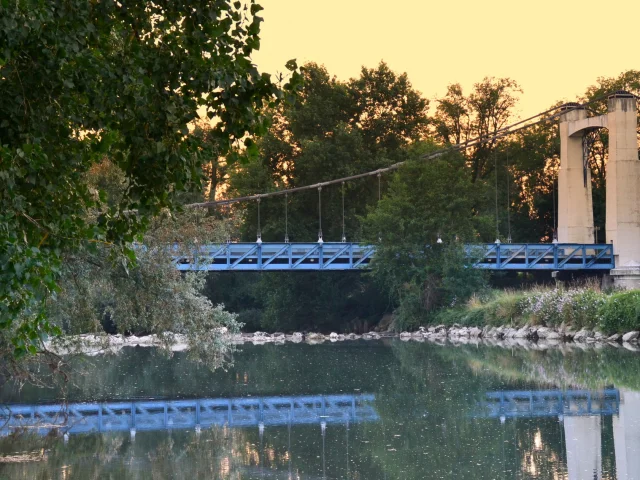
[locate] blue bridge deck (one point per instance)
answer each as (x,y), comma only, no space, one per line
(180,414)
(353,256)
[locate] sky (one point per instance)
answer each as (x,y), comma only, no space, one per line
(554,49)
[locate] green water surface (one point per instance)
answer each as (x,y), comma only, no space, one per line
(428,398)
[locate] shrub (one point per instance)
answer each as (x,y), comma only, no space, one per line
(448,316)
(582,309)
(544,306)
(410,313)
(507,309)
(475,316)
(620,312)
(578,307)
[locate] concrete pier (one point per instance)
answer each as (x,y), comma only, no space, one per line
(623,189)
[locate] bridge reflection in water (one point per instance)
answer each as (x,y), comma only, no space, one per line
(549,403)
(183,414)
(581,413)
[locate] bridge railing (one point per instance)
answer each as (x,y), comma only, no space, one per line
(352,256)
(180,414)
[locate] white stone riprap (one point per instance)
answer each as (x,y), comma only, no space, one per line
(531,337)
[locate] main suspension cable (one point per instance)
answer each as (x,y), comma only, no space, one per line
(499,133)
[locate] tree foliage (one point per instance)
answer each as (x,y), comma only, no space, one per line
(487,109)
(427,201)
(80,80)
(335,129)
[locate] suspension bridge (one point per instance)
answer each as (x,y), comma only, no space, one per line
(573,247)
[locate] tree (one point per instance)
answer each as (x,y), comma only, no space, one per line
(486,110)
(427,201)
(335,129)
(80,80)
(388,111)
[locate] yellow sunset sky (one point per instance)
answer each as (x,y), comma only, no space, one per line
(553,48)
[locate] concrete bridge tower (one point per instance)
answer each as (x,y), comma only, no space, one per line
(575,205)
(623,189)
(575,208)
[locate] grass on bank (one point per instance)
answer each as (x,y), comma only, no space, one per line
(585,306)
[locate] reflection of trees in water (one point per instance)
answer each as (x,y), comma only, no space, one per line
(221,453)
(592,369)
(427,430)
(267,370)
(215,453)
(567,367)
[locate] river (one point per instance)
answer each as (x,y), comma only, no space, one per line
(346,410)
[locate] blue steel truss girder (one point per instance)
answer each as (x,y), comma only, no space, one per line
(534,256)
(549,403)
(180,414)
(353,256)
(277,257)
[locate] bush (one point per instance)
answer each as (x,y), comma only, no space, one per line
(448,316)
(505,309)
(620,312)
(410,312)
(582,311)
(545,307)
(578,307)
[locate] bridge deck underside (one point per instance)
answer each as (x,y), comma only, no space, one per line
(353,256)
(180,414)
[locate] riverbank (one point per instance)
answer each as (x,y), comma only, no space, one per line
(538,318)
(576,308)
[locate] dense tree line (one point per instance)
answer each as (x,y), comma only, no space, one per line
(503,188)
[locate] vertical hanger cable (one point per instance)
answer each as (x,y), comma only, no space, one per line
(319,214)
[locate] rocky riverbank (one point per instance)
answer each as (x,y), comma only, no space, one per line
(526,337)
